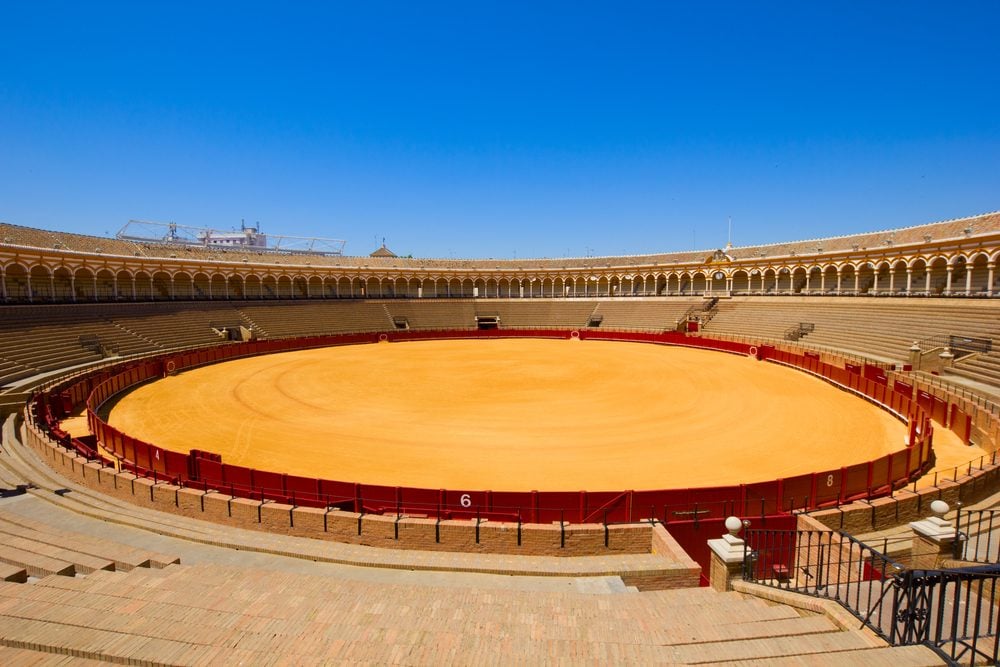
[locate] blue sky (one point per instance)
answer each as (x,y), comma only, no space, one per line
(480,129)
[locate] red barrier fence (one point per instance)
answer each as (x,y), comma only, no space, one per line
(207,471)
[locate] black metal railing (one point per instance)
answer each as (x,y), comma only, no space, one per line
(799,330)
(824,564)
(978,536)
(954,612)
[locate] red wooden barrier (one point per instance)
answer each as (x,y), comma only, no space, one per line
(669,505)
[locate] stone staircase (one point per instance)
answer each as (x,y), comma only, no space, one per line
(983,368)
(225,611)
(189,615)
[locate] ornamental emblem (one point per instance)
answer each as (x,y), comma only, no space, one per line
(718,257)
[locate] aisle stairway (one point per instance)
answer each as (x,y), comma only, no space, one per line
(219,614)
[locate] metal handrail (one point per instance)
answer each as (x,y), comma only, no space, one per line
(953,612)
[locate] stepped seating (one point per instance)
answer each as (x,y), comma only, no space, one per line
(35,564)
(20,466)
(658,315)
(80,548)
(12,371)
(878,328)
(539,313)
(179,326)
(983,368)
(282,320)
(197,614)
(441,314)
(37,339)
(13,573)
(40,549)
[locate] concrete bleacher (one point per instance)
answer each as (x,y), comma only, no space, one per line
(657,315)
(881,328)
(187,325)
(439,314)
(982,368)
(38,549)
(84,552)
(540,313)
(286,319)
(37,339)
(199,614)
(31,548)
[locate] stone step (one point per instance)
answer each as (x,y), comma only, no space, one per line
(83,563)
(94,644)
(13,573)
(82,500)
(393,609)
(149,583)
(889,656)
(36,565)
(123,557)
(23,657)
(344,615)
(760,649)
(117,636)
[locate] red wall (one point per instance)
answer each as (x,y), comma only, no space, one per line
(672,506)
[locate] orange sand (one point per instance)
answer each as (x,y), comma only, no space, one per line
(512,415)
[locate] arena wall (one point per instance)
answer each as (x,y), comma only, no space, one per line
(675,570)
(808,491)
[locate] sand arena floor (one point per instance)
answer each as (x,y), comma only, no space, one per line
(512,415)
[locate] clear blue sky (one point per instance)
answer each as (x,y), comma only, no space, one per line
(486,129)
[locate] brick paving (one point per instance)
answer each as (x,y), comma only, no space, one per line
(248,597)
(215,614)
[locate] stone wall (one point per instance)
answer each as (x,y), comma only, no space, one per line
(349,527)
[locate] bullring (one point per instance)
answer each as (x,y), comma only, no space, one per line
(156,311)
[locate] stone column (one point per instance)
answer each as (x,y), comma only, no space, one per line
(915,355)
(727,556)
(933,538)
